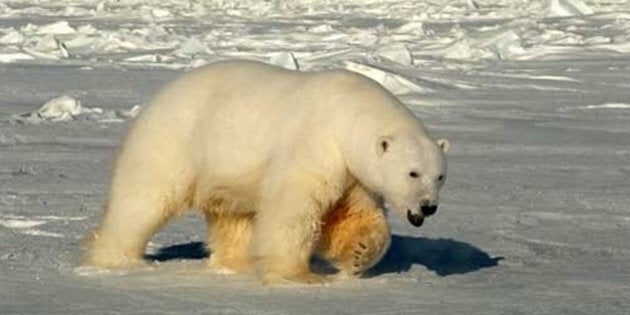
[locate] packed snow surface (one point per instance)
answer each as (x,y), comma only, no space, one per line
(534,96)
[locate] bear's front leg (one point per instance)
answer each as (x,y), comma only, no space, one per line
(355,233)
(285,230)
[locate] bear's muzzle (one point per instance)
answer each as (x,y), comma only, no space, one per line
(428,210)
(415,219)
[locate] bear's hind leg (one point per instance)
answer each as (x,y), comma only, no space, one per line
(355,234)
(135,211)
(126,228)
(228,238)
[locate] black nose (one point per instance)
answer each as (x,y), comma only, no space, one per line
(415,219)
(428,210)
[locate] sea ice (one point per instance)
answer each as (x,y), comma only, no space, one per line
(13,37)
(396,52)
(192,47)
(568,8)
(285,60)
(57,28)
(13,57)
(391,81)
(63,108)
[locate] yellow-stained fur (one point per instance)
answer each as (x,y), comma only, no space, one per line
(355,233)
(229,238)
(280,162)
(354,236)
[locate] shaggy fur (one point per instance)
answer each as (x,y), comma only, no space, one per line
(269,156)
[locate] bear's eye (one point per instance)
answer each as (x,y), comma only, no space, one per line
(413,174)
(440,178)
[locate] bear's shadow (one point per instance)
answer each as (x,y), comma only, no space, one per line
(443,256)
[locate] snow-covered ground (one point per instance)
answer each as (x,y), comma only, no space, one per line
(534,96)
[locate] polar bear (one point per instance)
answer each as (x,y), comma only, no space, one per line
(282,163)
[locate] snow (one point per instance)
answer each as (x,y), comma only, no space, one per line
(25,226)
(609,105)
(20,224)
(533,95)
(64,108)
(35,232)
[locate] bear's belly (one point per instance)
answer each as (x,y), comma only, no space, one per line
(237,193)
(223,200)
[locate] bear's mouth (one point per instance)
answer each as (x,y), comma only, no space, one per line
(415,219)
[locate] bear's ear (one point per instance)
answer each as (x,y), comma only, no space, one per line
(383,144)
(444,145)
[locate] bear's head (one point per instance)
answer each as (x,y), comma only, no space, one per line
(407,169)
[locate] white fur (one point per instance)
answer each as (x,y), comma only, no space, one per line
(243,138)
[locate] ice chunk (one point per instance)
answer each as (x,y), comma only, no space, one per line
(411,27)
(12,38)
(393,82)
(87,29)
(499,44)
(160,13)
(41,55)
(101,6)
(66,108)
(80,42)
(192,47)
(462,49)
(49,47)
(568,8)
(57,28)
(28,28)
(62,108)
(58,109)
(116,116)
(13,57)
(320,29)
(46,44)
(63,50)
(504,44)
(623,47)
(285,60)
(361,37)
(472,5)
(196,63)
(397,52)
(133,112)
(597,40)
(130,113)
